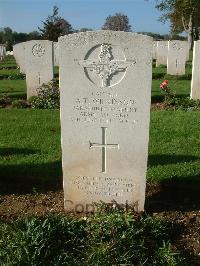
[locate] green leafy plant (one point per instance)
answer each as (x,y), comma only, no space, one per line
(20,104)
(166,90)
(16,76)
(184,103)
(48,96)
(5,101)
(112,236)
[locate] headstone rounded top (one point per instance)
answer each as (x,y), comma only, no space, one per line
(81,38)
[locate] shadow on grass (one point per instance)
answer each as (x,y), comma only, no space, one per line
(14,151)
(164,159)
(28,178)
(174,195)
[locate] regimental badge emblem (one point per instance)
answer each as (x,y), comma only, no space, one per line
(38,50)
(105,65)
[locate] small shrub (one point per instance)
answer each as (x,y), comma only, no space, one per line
(16,76)
(48,96)
(5,101)
(183,103)
(20,104)
(180,77)
(158,75)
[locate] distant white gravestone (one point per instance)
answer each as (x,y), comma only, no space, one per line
(162,50)
(154,49)
(19,54)
(2,51)
(195,86)
(56,53)
(105,84)
(176,59)
(39,64)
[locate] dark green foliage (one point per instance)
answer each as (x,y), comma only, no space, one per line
(184,103)
(180,77)
(42,241)
(20,104)
(55,26)
(158,75)
(12,76)
(4,101)
(120,238)
(16,76)
(48,96)
(10,37)
(112,237)
(117,22)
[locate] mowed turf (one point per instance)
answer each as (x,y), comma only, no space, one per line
(30,152)
(13,88)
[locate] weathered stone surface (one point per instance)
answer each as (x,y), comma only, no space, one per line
(56,53)
(195,86)
(176,59)
(19,54)
(39,64)
(105,83)
(162,50)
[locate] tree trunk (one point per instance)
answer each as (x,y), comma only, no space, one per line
(190,32)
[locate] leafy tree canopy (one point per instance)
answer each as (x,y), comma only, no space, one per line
(55,26)
(117,22)
(184,15)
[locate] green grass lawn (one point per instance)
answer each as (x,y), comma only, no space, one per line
(174,150)
(13,88)
(179,87)
(8,61)
(30,151)
(9,71)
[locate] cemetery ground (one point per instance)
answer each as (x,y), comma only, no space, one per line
(31,173)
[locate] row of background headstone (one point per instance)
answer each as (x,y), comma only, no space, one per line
(37,60)
(174,54)
(2,51)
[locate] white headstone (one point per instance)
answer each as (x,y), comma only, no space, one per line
(19,54)
(2,51)
(162,49)
(176,59)
(105,84)
(39,64)
(195,86)
(154,49)
(56,53)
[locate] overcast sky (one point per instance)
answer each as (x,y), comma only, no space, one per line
(26,15)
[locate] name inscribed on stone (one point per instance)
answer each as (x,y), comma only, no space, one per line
(104,107)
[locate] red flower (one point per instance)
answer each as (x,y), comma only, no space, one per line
(164,84)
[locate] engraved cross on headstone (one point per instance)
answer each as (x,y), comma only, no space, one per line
(105,67)
(104,147)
